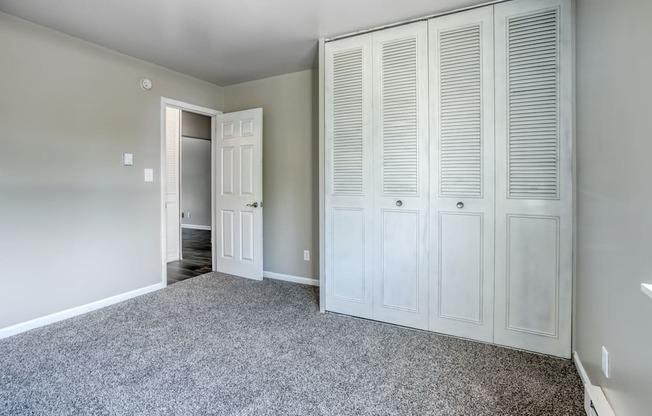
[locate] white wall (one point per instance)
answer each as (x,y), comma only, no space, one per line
(290,167)
(75,225)
(614,181)
(196,181)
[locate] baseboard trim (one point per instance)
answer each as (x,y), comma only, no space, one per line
(77,310)
(580,369)
(290,278)
(197,227)
(595,402)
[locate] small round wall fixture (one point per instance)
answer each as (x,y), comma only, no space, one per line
(145,84)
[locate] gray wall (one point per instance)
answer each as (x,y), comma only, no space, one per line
(196,180)
(195,125)
(290,167)
(75,225)
(614,180)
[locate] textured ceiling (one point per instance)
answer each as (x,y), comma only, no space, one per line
(221,41)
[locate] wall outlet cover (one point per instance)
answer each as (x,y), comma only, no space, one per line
(149,175)
(605,362)
(306,255)
(128,159)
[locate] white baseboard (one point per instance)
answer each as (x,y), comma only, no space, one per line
(595,402)
(580,369)
(78,310)
(293,279)
(197,227)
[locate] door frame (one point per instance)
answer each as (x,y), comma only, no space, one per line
(192,108)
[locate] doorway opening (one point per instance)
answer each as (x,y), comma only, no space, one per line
(187,187)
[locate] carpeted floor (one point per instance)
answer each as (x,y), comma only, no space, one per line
(222,345)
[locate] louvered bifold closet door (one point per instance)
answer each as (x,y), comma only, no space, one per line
(534,148)
(348,174)
(462,174)
(400,65)
(172,183)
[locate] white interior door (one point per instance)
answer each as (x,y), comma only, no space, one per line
(238,158)
(400,71)
(462,184)
(348,164)
(172,191)
(534,147)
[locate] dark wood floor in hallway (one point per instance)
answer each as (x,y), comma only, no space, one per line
(196,252)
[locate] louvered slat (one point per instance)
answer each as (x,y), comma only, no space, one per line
(460,120)
(172,138)
(348,151)
(533,142)
(399,117)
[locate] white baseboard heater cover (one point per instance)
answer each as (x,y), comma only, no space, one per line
(595,402)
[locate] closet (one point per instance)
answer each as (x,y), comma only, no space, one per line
(448,162)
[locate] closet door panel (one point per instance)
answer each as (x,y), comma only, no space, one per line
(462,179)
(461,267)
(534,148)
(401,181)
(348,148)
(532,274)
(348,250)
(400,260)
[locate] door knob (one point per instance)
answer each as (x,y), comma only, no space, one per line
(254,205)
(399,203)
(460,205)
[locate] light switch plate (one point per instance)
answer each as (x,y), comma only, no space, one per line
(149,175)
(128,159)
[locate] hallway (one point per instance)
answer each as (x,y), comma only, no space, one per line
(196,251)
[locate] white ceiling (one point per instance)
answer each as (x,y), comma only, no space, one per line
(221,41)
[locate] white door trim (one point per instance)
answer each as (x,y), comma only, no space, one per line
(165,102)
(322,175)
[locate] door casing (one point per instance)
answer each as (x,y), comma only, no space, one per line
(169,102)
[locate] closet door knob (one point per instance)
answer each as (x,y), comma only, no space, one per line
(399,203)
(460,205)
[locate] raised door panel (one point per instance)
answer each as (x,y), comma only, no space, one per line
(227,234)
(532,274)
(534,156)
(348,199)
(226,166)
(400,159)
(462,178)
(348,248)
(461,267)
(247,236)
(247,169)
(399,280)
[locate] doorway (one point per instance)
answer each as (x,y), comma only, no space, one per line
(193,163)
(236,191)
(187,172)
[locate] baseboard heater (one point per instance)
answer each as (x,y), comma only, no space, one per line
(595,402)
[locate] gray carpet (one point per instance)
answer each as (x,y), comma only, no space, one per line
(222,345)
